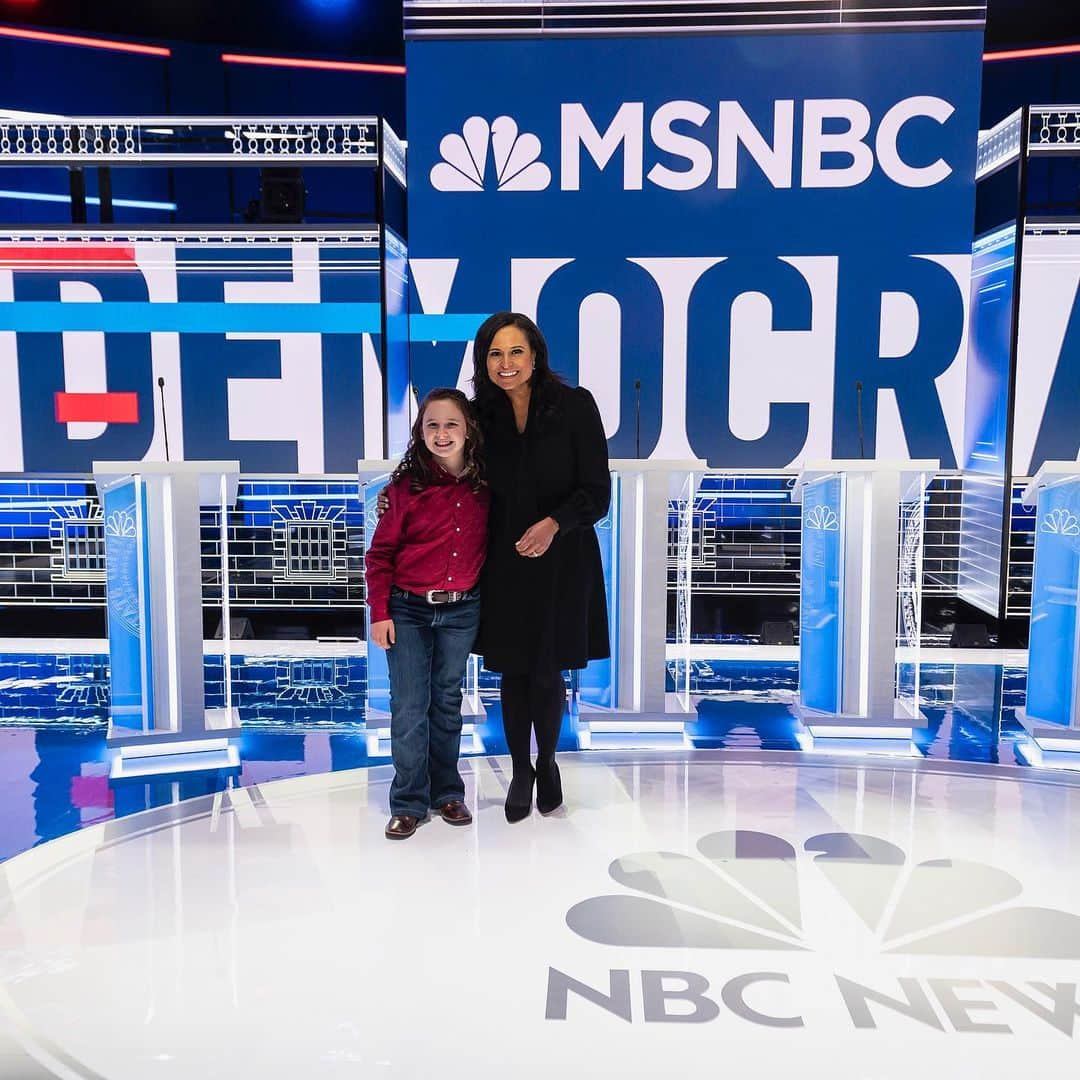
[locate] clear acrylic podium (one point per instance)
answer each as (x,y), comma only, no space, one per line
(1051,713)
(629,692)
(159,723)
(860,599)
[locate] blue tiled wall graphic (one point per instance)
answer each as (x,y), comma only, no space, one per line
(292,543)
(50,542)
(1021,556)
(295,542)
(54,689)
(292,691)
(270,691)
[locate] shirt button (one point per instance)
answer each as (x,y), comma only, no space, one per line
(455,554)
(449,579)
(457,504)
(457,530)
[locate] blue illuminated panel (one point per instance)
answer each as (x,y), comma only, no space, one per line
(396,347)
(378,671)
(821,618)
(983,502)
(128,604)
(598,681)
(1052,639)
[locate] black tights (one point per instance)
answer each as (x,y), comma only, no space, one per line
(532,702)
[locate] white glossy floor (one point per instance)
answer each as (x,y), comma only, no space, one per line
(708,914)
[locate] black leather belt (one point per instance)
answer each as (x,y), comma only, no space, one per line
(442,596)
(438,596)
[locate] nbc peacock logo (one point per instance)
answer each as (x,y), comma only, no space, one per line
(1061,522)
(823,518)
(514,157)
(743,890)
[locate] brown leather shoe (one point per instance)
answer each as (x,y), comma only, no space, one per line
(456,813)
(401,827)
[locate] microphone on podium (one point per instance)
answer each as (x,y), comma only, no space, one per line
(164,417)
(858,415)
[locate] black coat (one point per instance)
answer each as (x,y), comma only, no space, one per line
(548,613)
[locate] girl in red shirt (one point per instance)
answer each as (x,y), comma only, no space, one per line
(423,564)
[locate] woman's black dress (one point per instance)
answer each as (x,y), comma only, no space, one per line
(540,615)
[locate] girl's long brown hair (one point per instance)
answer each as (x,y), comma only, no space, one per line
(418,464)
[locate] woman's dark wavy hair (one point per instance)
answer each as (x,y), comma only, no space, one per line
(543,381)
(417,464)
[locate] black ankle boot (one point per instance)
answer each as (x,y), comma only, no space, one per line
(548,786)
(519,795)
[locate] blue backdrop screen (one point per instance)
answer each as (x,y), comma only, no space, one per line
(269,352)
(749,225)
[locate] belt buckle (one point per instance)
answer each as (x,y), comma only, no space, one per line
(432,593)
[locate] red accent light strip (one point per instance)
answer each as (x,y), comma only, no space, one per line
(1025,54)
(320,65)
(118,407)
(86,42)
(17,255)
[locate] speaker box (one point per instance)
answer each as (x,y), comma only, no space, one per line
(239,628)
(282,196)
(777,632)
(970,636)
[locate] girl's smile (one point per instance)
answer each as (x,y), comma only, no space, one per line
(444,434)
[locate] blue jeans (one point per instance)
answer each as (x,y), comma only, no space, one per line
(427,661)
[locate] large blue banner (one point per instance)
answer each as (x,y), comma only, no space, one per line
(750,225)
(269,352)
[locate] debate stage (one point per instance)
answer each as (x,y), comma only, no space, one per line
(689,913)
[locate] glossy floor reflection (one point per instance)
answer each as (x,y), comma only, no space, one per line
(686,914)
(54,778)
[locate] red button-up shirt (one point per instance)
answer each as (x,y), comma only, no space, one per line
(430,539)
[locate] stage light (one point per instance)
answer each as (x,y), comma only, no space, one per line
(318,65)
(92,200)
(85,42)
(330,8)
(20,114)
(1027,54)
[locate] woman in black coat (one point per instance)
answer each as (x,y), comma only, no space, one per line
(543,607)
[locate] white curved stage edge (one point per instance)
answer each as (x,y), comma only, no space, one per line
(689,914)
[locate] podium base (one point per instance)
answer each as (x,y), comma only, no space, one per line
(1049,746)
(377,738)
(168,759)
(838,733)
(599,728)
(160,753)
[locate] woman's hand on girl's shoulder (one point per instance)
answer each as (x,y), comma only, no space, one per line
(382,501)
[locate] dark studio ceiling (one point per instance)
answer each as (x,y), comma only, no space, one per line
(372,28)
